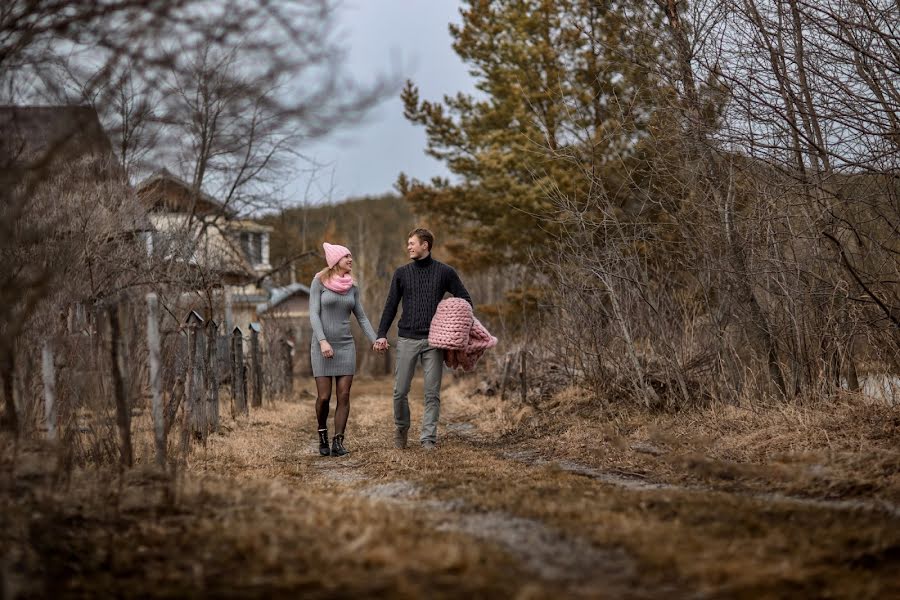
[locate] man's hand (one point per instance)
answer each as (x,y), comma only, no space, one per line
(380,345)
(326,349)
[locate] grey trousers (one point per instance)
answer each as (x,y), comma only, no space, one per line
(408,353)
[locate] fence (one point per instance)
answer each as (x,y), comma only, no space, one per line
(97,381)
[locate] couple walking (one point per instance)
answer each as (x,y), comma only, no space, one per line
(420,285)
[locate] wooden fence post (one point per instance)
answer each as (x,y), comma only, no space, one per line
(229,315)
(255,362)
(503,382)
(192,404)
(523,378)
(238,397)
(123,410)
(187,408)
(244,393)
(212,376)
(153,344)
(199,422)
(288,367)
(49,374)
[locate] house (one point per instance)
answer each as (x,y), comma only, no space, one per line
(61,183)
(66,147)
(219,251)
(44,137)
(228,254)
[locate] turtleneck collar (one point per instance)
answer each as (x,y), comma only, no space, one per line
(424,262)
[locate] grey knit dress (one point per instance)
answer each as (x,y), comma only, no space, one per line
(329,315)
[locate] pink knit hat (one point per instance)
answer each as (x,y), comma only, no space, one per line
(334,253)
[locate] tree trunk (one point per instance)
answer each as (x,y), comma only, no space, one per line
(10,415)
(123,408)
(711,177)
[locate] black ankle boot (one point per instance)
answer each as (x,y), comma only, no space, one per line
(337,445)
(323,442)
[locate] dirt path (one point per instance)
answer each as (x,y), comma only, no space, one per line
(258,511)
(437,495)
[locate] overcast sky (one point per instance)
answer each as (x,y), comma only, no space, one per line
(386,36)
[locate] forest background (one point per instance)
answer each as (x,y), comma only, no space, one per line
(682,201)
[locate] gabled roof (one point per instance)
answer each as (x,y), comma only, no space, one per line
(35,136)
(163,191)
(250,226)
(281,294)
(67,146)
(171,201)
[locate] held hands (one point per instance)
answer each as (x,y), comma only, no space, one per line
(381,345)
(326,349)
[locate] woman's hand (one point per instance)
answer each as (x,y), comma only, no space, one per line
(326,349)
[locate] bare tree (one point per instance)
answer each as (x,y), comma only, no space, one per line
(132,50)
(757,249)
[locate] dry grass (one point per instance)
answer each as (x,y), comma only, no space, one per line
(843,449)
(498,510)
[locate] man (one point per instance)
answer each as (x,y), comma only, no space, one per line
(421,285)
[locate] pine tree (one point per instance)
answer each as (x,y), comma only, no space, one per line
(562,104)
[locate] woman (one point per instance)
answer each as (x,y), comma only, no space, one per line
(333,295)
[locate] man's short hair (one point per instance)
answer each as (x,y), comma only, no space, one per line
(424,236)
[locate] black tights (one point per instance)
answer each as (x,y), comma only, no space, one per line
(323,399)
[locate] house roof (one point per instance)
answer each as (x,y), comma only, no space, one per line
(168,197)
(33,136)
(38,143)
(247,225)
(280,294)
(254,299)
(164,191)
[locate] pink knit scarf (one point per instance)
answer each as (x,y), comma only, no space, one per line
(340,284)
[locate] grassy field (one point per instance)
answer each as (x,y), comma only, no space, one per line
(560,499)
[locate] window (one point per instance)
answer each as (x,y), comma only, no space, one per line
(252,245)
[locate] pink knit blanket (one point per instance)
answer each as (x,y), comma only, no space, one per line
(455,329)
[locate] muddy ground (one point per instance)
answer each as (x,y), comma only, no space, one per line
(566,498)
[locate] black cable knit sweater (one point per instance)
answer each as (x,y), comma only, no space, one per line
(421,285)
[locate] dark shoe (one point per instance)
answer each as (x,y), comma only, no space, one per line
(400,435)
(428,445)
(323,442)
(337,446)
